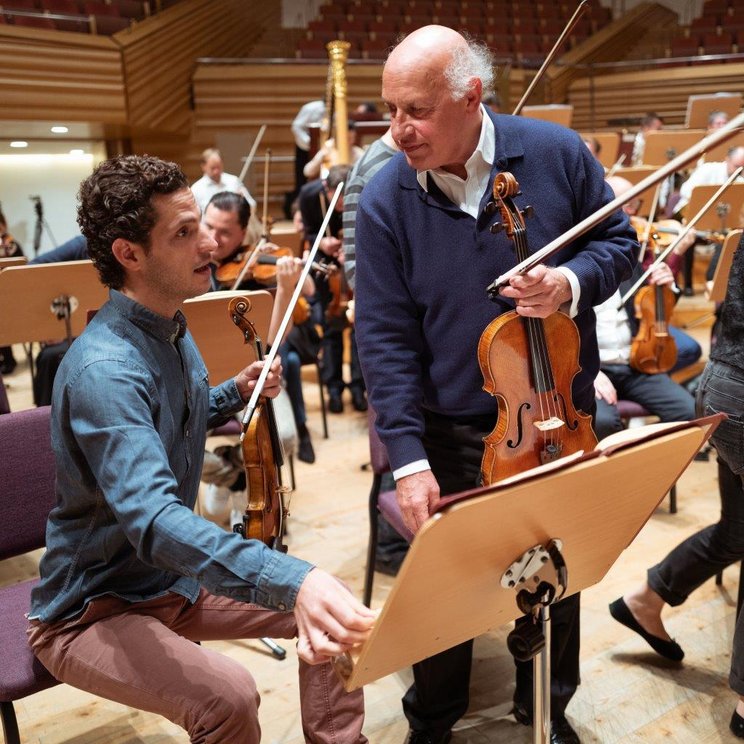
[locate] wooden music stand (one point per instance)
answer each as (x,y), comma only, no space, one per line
(699,108)
(6,263)
(27,294)
(558,113)
(716,289)
(219,340)
(609,143)
(635,175)
(451,586)
(664,145)
(729,205)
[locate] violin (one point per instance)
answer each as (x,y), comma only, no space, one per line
(653,348)
(663,233)
(266,513)
(529,365)
(260,267)
(341,292)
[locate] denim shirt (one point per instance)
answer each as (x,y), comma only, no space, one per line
(130,412)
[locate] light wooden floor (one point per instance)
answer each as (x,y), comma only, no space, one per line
(627,693)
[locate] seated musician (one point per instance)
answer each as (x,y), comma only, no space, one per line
(9,248)
(226,219)
(313,198)
(651,122)
(688,350)
(327,156)
(131,577)
(707,174)
(657,393)
(214,180)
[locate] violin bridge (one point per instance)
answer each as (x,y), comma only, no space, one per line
(549,424)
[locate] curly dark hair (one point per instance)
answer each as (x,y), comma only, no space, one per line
(116,202)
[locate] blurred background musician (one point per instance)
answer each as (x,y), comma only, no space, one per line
(712,173)
(214,180)
(314,196)
(9,248)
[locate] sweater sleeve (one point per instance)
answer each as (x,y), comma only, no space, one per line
(388,331)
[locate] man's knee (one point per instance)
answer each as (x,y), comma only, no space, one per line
(229,713)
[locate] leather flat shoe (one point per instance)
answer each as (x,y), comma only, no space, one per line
(737,725)
(305,451)
(668,649)
(427,737)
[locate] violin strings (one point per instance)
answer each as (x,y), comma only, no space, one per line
(544,387)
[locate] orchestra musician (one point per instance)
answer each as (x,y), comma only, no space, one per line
(688,350)
(130,572)
(425,255)
(313,198)
(9,248)
(650,122)
(712,173)
(214,180)
(226,219)
(713,548)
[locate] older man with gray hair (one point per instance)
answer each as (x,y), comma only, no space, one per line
(425,255)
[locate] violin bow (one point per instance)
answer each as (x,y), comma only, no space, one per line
(686,229)
(572,21)
(692,153)
(615,166)
(649,222)
(264,224)
(252,153)
(253,401)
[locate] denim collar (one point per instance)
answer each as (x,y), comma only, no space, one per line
(164,329)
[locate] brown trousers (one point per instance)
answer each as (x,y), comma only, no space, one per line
(143,655)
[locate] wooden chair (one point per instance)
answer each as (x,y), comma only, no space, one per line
(27,474)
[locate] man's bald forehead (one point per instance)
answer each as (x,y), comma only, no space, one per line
(431,44)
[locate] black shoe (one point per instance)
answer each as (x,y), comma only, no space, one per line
(688,291)
(427,737)
(335,404)
(358,400)
(305,451)
(668,649)
(737,725)
(561,732)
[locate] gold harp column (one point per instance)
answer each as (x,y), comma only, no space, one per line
(338,52)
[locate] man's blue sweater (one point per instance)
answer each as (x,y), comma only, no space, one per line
(423,266)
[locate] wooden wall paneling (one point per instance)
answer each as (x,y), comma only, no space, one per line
(159,56)
(56,75)
(665,90)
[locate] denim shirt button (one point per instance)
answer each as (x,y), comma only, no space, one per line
(282,606)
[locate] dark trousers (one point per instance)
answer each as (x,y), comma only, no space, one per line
(333,359)
(439,695)
(659,394)
(710,550)
(47,364)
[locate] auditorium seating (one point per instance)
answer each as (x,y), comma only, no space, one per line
(524,31)
(80,16)
(719,30)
